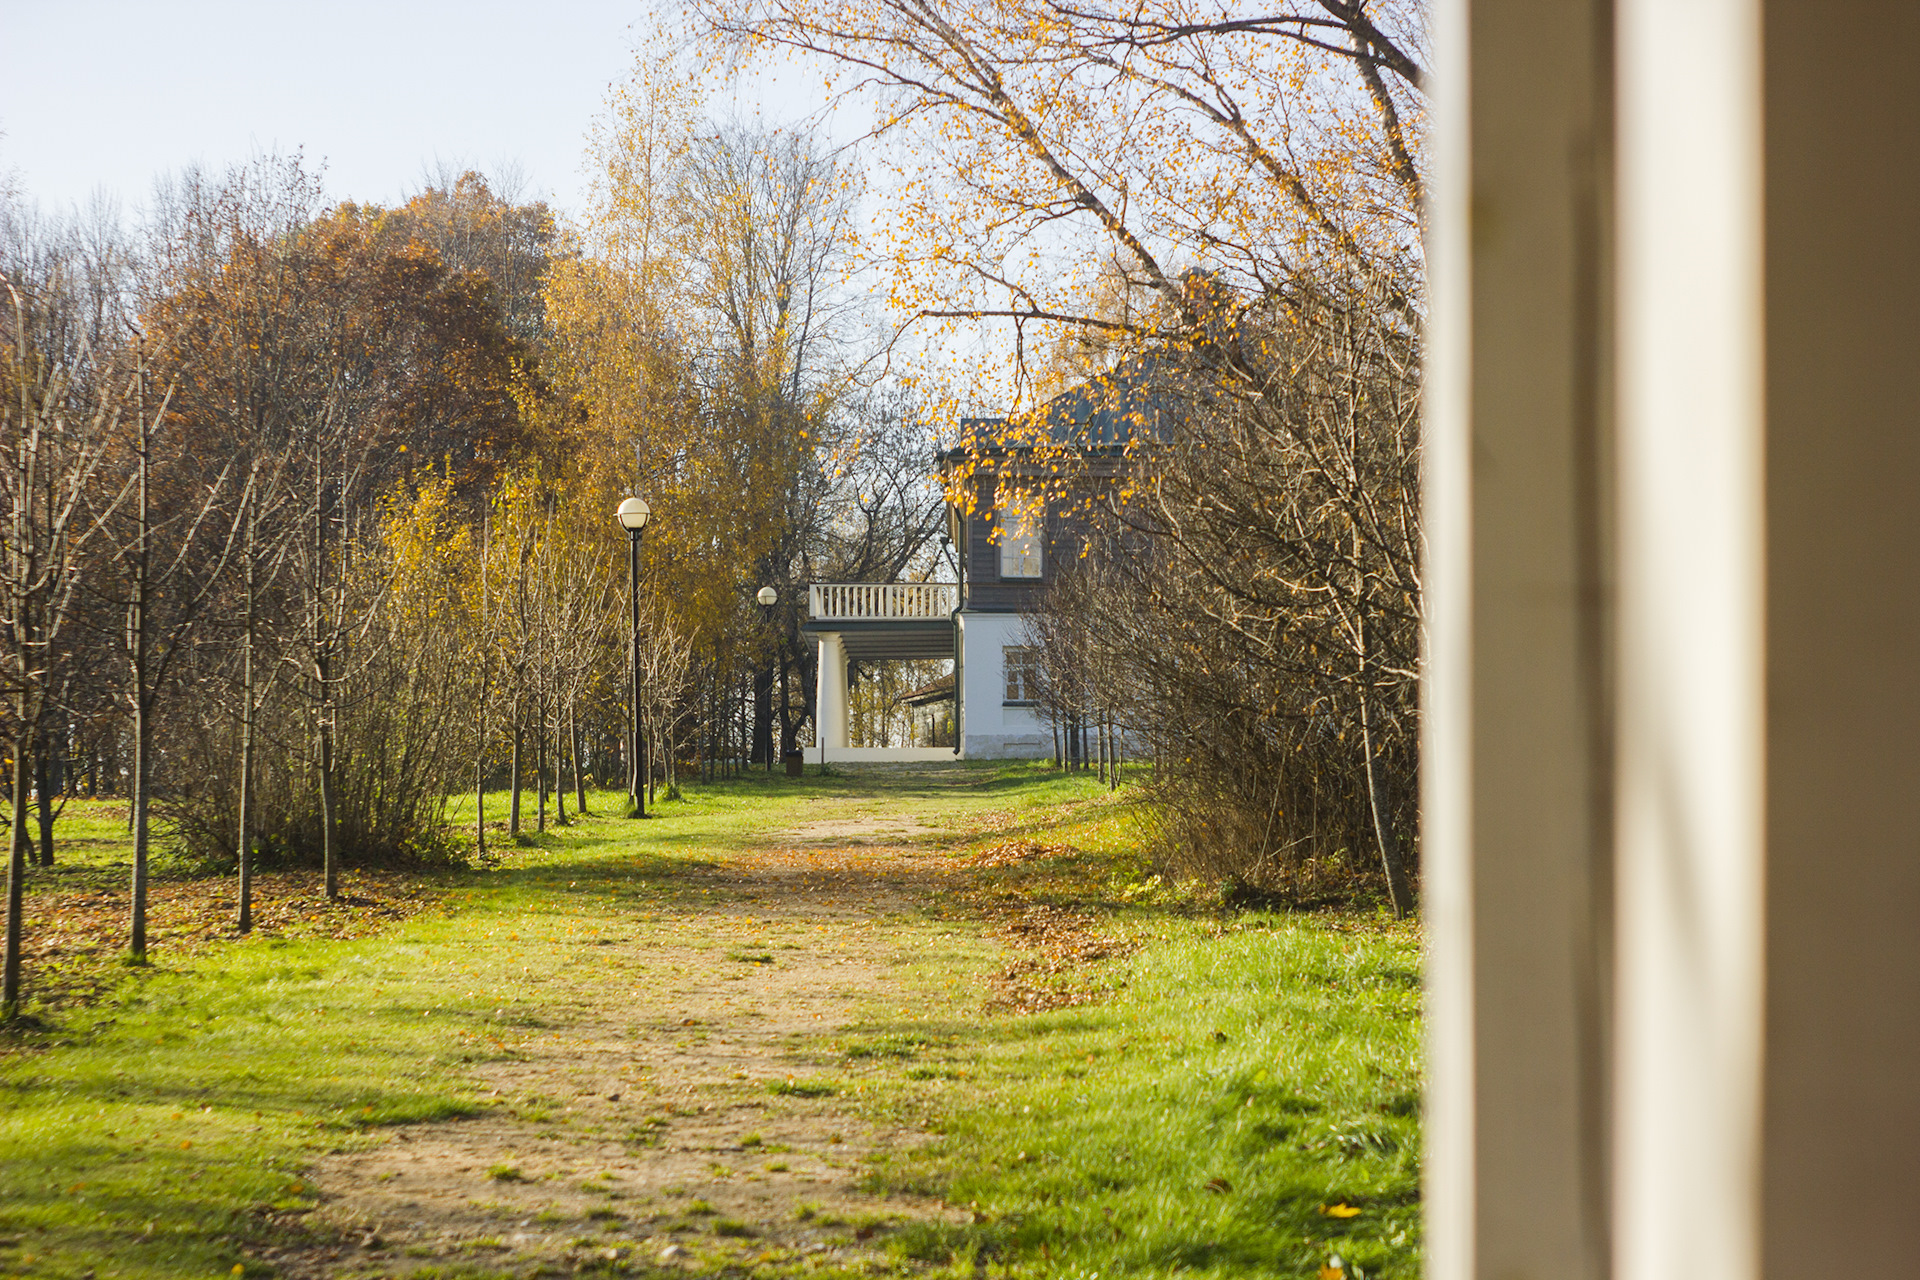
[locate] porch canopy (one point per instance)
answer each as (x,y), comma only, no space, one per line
(881,620)
(872,621)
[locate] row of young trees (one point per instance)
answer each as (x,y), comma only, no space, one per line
(202,427)
(1221,202)
(304,506)
(307,508)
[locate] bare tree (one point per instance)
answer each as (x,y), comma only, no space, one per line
(665,677)
(60,406)
(1250,594)
(169,570)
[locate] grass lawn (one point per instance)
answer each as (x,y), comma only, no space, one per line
(1108,1076)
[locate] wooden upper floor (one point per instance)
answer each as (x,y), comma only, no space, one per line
(1025,485)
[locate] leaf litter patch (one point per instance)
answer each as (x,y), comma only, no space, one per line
(76,933)
(1010,853)
(1061,969)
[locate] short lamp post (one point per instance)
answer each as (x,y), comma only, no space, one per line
(768,597)
(633,515)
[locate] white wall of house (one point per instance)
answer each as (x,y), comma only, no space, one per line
(990,729)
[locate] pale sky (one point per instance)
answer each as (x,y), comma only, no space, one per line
(107,94)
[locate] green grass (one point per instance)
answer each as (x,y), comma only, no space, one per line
(162,1128)
(1203,1122)
(739,809)
(1241,1074)
(157,1132)
(1243,1083)
(85,826)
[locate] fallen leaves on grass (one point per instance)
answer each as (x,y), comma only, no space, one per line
(76,927)
(1013,852)
(1065,944)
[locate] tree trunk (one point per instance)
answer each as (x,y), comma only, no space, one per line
(43,789)
(480,707)
(245,838)
(16,870)
(762,717)
(558,758)
(670,760)
(137,639)
(540,766)
(1398,889)
(789,728)
(480,793)
(513,778)
(329,851)
(137,943)
(573,746)
(322,661)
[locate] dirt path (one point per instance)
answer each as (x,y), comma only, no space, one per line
(669,1119)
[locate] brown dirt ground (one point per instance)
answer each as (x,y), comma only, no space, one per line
(656,1140)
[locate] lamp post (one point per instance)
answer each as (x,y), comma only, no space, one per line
(633,515)
(767,597)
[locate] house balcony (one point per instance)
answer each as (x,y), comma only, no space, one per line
(875,620)
(869,622)
(881,601)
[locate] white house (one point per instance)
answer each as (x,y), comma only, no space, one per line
(1008,541)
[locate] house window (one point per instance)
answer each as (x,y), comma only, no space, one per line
(1022,668)
(1020,525)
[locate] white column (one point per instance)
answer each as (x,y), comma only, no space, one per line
(1692,727)
(960,685)
(1517,757)
(830,696)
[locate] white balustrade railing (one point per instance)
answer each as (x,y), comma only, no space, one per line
(878,601)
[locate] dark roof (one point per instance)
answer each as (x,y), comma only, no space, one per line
(1104,414)
(940,690)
